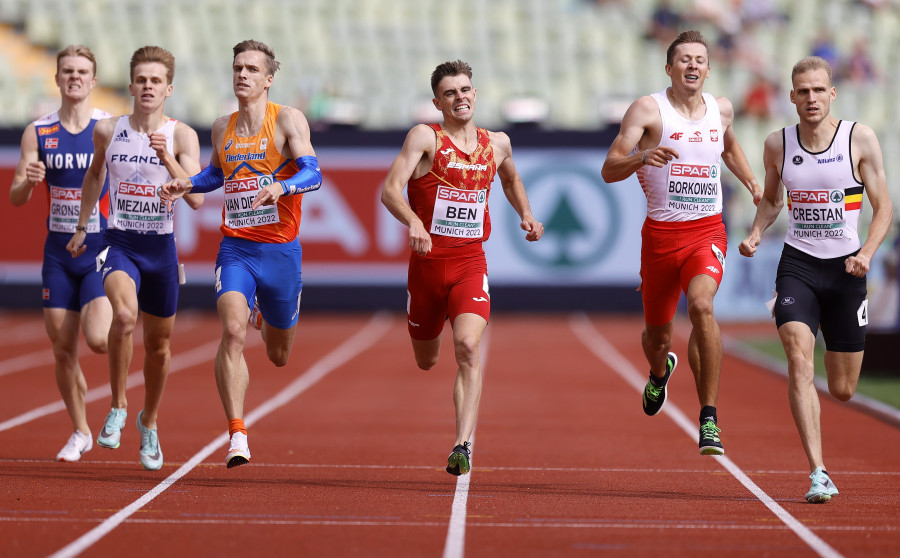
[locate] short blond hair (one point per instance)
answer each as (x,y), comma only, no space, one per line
(77,50)
(811,63)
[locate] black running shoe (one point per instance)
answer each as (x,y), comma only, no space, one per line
(655,396)
(709,439)
(458,460)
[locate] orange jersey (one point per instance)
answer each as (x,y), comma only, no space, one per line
(250,164)
(452,199)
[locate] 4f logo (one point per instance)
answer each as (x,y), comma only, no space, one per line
(676,136)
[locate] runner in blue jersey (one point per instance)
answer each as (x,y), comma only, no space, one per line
(57,150)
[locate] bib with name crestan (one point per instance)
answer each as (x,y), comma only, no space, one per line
(250,164)
(452,199)
(66,157)
(690,186)
(135,171)
(824,199)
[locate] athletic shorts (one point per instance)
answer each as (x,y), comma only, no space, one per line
(266,272)
(673,253)
(445,287)
(151,261)
(821,294)
(69,282)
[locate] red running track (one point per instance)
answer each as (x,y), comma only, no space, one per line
(349,444)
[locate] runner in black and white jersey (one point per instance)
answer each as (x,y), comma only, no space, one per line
(825,165)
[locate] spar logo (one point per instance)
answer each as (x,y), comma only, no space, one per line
(693,171)
(466,196)
(65,193)
(247,184)
(813,196)
(144,190)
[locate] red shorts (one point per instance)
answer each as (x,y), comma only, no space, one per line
(445,287)
(673,253)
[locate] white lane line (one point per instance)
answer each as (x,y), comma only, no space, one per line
(455,543)
(27,361)
(373,330)
(180,361)
(598,345)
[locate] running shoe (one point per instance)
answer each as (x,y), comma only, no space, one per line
(255,320)
(822,488)
(655,395)
(78,445)
(709,438)
(111,434)
(458,462)
(239,451)
(151,452)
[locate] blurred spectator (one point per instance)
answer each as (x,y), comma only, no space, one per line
(664,23)
(824,47)
(759,101)
(859,67)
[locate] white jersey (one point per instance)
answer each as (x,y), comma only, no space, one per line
(689,187)
(824,198)
(134,173)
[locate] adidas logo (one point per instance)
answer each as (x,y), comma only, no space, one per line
(123,136)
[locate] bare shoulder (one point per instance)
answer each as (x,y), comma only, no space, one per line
(863,133)
(291,117)
(774,141)
(501,144)
(421,135)
(104,128)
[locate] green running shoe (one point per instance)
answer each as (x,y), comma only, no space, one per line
(151,452)
(822,488)
(655,395)
(709,439)
(458,462)
(111,433)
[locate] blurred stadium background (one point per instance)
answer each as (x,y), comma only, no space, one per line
(556,74)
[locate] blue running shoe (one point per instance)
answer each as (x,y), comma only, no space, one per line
(111,434)
(459,460)
(151,452)
(822,488)
(655,390)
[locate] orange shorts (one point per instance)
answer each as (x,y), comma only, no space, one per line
(673,253)
(445,287)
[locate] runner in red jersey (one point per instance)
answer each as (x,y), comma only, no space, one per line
(449,169)
(676,141)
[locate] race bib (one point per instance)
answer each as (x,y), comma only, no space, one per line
(139,209)
(239,196)
(65,204)
(694,189)
(459,213)
(817,213)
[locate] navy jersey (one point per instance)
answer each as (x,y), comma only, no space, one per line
(67,157)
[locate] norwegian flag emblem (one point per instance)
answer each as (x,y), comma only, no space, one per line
(51,143)
(45,294)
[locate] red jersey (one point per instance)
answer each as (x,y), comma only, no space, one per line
(250,164)
(452,199)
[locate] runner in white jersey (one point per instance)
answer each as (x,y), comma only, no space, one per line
(676,141)
(690,187)
(825,165)
(139,264)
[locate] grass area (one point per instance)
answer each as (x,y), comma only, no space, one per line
(884,388)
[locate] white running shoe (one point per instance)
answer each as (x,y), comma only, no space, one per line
(78,445)
(111,433)
(239,451)
(822,488)
(151,452)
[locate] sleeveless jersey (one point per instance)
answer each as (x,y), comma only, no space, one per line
(66,157)
(134,173)
(824,198)
(250,164)
(452,199)
(689,187)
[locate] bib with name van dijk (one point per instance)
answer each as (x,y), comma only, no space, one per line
(239,196)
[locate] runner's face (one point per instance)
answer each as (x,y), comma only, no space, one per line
(75,77)
(456,97)
(149,86)
(251,77)
(690,66)
(812,95)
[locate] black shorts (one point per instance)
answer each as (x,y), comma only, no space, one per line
(821,294)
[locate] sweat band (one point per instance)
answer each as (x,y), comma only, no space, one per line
(209,179)
(307,178)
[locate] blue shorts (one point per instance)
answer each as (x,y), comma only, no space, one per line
(149,259)
(268,272)
(69,282)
